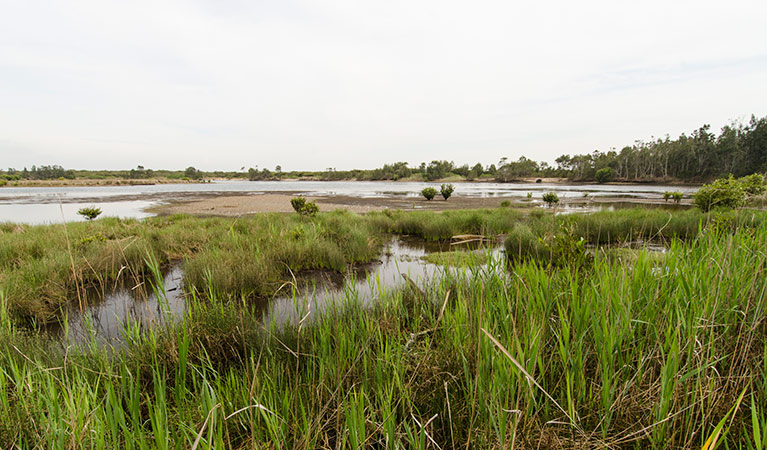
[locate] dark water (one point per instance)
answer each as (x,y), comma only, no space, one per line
(132,307)
(368,283)
(41,204)
(108,315)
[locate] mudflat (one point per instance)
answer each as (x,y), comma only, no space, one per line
(236,205)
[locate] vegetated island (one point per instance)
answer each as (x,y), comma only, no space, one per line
(739,149)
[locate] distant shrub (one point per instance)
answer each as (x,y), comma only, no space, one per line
(722,193)
(505,204)
(446,190)
(550,198)
(3,182)
(310,209)
(753,184)
(604,175)
(429,193)
(89,213)
(301,206)
(677,196)
(529,196)
(667,196)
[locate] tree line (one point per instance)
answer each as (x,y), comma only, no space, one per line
(739,149)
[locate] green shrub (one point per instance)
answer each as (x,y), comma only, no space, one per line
(550,198)
(505,204)
(310,209)
(722,193)
(297,203)
(429,193)
(753,184)
(604,175)
(667,196)
(677,196)
(446,190)
(89,213)
(301,206)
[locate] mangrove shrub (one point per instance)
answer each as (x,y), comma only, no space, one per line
(446,190)
(550,198)
(722,193)
(89,213)
(429,193)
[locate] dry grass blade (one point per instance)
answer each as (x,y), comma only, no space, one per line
(414,336)
(532,380)
(204,425)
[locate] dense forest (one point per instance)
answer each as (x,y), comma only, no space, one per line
(739,149)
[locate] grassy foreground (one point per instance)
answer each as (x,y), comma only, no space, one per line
(664,353)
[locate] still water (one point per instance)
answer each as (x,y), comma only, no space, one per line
(111,312)
(37,205)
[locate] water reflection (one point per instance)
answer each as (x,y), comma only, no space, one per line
(106,315)
(308,295)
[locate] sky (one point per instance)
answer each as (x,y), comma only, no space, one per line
(222,84)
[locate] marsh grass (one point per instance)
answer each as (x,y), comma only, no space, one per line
(43,267)
(663,354)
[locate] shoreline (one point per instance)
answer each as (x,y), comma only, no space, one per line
(155,181)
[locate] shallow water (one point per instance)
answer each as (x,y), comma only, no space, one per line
(105,315)
(312,293)
(41,204)
(401,263)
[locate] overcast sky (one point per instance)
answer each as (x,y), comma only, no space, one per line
(222,84)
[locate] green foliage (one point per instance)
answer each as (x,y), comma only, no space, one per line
(429,192)
(505,204)
(140,173)
(301,206)
(609,355)
(722,193)
(446,190)
(438,169)
(550,198)
(604,175)
(753,184)
(675,195)
(192,173)
(89,213)
(510,171)
(264,174)
(310,209)
(437,226)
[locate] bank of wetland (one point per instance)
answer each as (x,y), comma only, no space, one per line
(634,328)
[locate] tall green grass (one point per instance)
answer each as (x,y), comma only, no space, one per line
(648,354)
(45,268)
